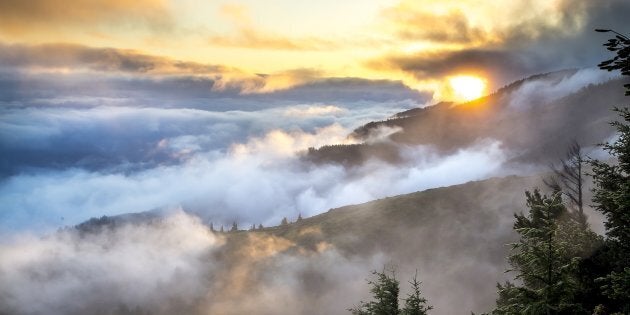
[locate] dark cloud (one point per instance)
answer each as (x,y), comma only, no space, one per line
(523,49)
(502,64)
(75,57)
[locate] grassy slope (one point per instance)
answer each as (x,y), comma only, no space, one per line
(456,236)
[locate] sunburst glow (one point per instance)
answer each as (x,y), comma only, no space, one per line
(467,87)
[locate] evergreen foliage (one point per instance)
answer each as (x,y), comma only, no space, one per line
(620,45)
(546,259)
(385,291)
(564,269)
(415,304)
(612,189)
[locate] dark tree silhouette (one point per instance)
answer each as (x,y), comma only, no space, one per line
(620,45)
(612,186)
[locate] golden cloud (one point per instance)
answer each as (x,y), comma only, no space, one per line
(19,17)
(66,58)
(248,35)
(411,23)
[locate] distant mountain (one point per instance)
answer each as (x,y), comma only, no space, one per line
(535,118)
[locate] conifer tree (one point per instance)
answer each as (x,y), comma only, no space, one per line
(234,227)
(545,259)
(385,291)
(612,185)
(260,226)
(284,221)
(415,304)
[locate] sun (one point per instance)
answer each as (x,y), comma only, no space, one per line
(467,87)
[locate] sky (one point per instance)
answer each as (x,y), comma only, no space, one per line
(110,107)
(278,44)
(203,111)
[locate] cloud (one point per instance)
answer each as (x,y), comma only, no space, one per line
(248,35)
(127,138)
(309,111)
(61,58)
(212,183)
(132,265)
(410,22)
(538,36)
(503,64)
(472,23)
(175,265)
(77,57)
(75,163)
(545,90)
(18,17)
(99,70)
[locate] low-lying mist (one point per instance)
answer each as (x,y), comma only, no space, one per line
(267,170)
(173,265)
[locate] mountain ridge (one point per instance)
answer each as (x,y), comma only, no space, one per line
(526,121)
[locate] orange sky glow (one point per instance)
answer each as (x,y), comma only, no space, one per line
(291,42)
